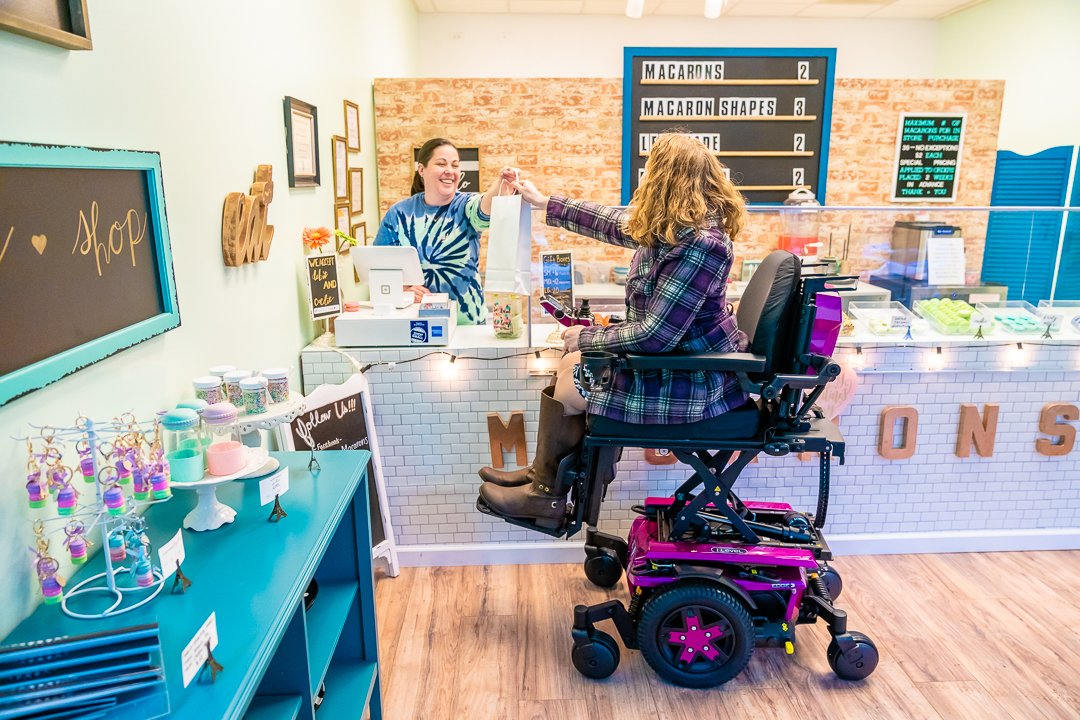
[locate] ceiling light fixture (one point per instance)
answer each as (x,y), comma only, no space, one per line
(713,8)
(634,8)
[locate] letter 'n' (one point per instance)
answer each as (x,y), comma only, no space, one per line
(980,431)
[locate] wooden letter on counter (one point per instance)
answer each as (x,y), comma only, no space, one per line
(507,436)
(1048,423)
(245,236)
(889,416)
(981,431)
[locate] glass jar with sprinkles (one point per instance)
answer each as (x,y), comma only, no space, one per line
(232,386)
(255,395)
(277,380)
(209,388)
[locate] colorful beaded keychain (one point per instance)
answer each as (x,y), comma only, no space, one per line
(114,496)
(51,585)
(76,542)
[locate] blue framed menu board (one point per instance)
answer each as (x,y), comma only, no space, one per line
(765,113)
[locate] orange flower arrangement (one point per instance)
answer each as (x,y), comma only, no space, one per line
(316,238)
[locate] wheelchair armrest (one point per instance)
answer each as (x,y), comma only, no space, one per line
(708,362)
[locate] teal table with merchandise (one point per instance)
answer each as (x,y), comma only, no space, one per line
(252,574)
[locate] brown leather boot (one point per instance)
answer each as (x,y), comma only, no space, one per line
(557,435)
(542,499)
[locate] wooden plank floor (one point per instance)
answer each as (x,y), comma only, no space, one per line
(961,636)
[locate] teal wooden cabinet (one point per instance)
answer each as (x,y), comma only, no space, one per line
(252,574)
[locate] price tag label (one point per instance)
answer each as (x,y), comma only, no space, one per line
(1049,321)
(194,655)
(273,486)
(899,321)
(171,554)
(978,320)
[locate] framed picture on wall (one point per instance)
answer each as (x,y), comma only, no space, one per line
(64,23)
(341,169)
(352,126)
(359,232)
(302,143)
(341,218)
(469,165)
(356,190)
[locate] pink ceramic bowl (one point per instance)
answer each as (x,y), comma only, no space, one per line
(225,458)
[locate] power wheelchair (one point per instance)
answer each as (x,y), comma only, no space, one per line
(710,576)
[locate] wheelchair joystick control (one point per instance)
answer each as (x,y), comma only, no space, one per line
(598,368)
(567,317)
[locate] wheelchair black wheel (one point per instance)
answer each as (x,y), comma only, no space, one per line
(603,570)
(604,660)
(854,670)
(833,582)
(696,635)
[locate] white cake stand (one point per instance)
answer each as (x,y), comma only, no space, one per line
(211,513)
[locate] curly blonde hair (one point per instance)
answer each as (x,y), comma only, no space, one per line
(684,186)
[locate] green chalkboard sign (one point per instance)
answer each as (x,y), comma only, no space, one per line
(928,151)
(85,263)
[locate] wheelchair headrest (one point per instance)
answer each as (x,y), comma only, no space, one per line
(767,310)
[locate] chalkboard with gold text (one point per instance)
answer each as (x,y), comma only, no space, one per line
(85,262)
(765,113)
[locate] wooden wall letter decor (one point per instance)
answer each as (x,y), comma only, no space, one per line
(660,457)
(981,431)
(507,436)
(245,236)
(889,416)
(1048,423)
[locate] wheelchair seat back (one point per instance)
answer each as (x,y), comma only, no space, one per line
(767,312)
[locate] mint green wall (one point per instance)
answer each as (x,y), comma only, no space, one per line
(202,83)
(1034,45)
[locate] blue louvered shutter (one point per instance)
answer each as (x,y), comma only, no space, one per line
(1021,248)
(1068,282)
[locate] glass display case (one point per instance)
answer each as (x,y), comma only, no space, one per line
(1014,316)
(882,318)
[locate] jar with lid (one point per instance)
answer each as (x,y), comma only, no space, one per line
(255,395)
(801,218)
(221,370)
(225,453)
(508,315)
(277,384)
(234,393)
(209,388)
(184,441)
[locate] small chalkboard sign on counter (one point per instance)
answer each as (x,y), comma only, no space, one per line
(324,294)
(85,262)
(766,114)
(928,151)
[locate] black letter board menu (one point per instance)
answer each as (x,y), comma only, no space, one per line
(928,150)
(766,114)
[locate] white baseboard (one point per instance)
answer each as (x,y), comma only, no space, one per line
(526,553)
(955,541)
(519,553)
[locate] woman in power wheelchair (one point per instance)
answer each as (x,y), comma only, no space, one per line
(710,576)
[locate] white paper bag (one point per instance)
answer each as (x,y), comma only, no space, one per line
(509,258)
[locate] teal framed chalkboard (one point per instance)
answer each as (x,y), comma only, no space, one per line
(85,260)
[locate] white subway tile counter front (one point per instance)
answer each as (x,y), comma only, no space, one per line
(432,421)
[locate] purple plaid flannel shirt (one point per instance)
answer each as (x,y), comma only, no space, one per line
(676,299)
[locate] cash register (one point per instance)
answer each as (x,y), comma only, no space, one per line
(391,318)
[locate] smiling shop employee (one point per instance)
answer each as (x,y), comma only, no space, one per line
(444,226)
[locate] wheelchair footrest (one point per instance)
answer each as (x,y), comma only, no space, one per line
(521,522)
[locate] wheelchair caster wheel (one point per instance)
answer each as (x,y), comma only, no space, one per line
(847,669)
(833,582)
(603,570)
(603,658)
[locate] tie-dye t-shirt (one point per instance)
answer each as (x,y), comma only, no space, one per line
(447,238)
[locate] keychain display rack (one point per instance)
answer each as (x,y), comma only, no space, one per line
(91,440)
